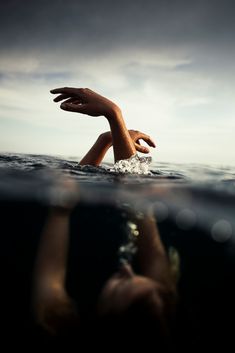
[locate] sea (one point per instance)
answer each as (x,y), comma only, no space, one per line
(194,207)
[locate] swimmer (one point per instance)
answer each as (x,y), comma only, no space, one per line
(135,300)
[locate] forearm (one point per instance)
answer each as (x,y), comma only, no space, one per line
(152,258)
(97,152)
(52,255)
(123,146)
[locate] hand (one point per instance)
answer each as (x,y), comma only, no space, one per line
(136,136)
(85,101)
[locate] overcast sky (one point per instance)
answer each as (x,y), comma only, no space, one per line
(170,65)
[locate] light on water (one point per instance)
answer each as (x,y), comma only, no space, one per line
(161,211)
(221,231)
(186,219)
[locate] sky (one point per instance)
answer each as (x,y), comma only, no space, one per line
(168,64)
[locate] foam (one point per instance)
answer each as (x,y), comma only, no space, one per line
(133,165)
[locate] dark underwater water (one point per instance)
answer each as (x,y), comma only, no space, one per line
(195,212)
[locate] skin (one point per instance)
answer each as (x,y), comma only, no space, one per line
(52,305)
(156,280)
(122,289)
(97,152)
(86,101)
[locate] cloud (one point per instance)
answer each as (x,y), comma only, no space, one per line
(93,26)
(169,64)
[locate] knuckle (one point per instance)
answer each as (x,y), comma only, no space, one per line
(82,90)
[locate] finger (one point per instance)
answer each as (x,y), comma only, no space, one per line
(71,107)
(148,140)
(70,91)
(64,90)
(73,100)
(61,97)
(141,148)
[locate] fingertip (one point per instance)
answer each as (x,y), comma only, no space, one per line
(145,150)
(63,106)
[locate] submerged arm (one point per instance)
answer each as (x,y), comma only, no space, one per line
(53,308)
(52,254)
(152,257)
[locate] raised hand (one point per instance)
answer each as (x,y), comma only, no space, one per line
(136,136)
(85,101)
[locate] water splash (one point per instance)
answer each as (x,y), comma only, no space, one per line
(133,165)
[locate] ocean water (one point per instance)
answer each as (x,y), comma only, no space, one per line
(201,194)
(194,207)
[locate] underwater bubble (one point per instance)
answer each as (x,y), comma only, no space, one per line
(161,211)
(186,219)
(221,231)
(132,225)
(136,233)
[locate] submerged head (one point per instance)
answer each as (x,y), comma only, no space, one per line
(132,306)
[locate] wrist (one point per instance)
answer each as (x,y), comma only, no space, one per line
(114,113)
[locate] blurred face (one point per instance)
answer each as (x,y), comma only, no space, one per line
(123,288)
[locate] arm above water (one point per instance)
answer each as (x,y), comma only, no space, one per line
(97,152)
(86,101)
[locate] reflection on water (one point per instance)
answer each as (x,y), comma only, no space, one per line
(195,211)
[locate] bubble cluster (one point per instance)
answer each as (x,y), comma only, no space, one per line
(127,250)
